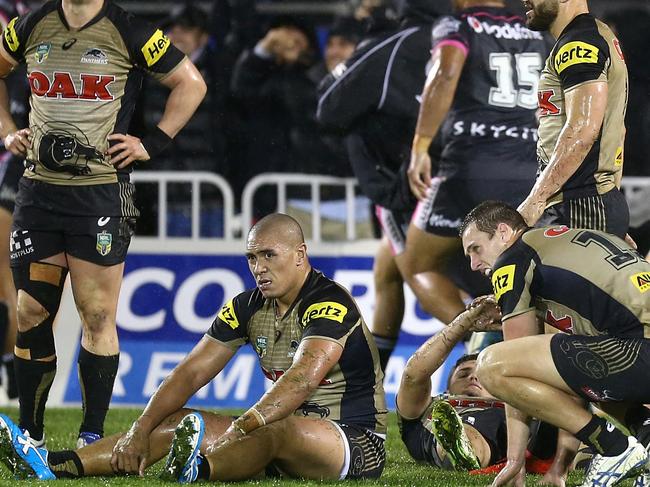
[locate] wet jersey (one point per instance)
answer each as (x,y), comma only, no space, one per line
(84,85)
(352,391)
(586,51)
(491,129)
(579,281)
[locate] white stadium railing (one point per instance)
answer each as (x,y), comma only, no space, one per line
(315,183)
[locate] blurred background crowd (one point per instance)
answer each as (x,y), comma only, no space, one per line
(263,61)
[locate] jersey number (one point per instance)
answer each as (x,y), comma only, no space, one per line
(616,256)
(520,91)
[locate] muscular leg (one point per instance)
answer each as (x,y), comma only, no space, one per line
(96,289)
(533,386)
(389,302)
(301,447)
(96,457)
(423,266)
(39,287)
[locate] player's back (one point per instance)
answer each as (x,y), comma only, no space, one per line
(493,112)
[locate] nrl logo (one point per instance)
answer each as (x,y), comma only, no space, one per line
(260,345)
(42,52)
(104,243)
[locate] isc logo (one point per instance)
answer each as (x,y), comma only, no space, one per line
(93,86)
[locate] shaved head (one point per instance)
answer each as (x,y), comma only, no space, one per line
(284,228)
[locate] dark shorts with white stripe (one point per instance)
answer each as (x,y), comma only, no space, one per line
(607,213)
(603,368)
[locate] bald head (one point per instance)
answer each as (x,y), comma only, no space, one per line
(284,228)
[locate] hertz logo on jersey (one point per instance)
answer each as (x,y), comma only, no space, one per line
(227,315)
(641,281)
(10,35)
(575,53)
(328,310)
(155,47)
(503,280)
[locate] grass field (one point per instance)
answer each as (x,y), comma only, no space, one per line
(62,426)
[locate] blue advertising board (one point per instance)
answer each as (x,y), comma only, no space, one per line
(168,301)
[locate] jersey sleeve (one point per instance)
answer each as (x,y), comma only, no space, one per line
(511,282)
(230,327)
(450,30)
(581,57)
(328,313)
(15,35)
(150,49)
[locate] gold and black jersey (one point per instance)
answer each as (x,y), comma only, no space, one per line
(586,51)
(352,391)
(84,85)
(579,281)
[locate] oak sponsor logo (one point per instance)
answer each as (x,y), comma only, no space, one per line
(503,280)
(93,86)
(564,323)
(227,315)
(576,52)
(328,310)
(546,106)
(556,231)
(641,281)
(155,47)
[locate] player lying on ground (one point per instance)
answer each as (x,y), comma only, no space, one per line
(465,429)
(324,417)
(590,285)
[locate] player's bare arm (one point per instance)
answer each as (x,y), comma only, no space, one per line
(567,446)
(203,363)
(438,95)
(187,91)
(415,387)
(585,106)
(15,140)
(313,360)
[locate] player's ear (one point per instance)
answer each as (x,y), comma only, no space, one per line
(503,231)
(301,254)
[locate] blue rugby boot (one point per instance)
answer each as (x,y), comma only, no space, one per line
(19,450)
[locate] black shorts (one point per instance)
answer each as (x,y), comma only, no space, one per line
(394,225)
(607,212)
(604,368)
(11,170)
(450,199)
(421,444)
(100,240)
(365,455)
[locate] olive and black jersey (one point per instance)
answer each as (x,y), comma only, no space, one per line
(83,86)
(579,281)
(352,391)
(491,131)
(587,51)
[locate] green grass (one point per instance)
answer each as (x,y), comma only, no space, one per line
(62,425)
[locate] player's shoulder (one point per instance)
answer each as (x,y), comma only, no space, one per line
(238,310)
(325,298)
(580,42)
(445,26)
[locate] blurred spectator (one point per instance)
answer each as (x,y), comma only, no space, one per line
(201,145)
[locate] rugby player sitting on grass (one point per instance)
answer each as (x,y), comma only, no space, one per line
(324,417)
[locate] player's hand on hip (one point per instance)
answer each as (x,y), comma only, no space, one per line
(18,142)
(126,149)
(531,210)
(513,474)
(131,452)
(419,174)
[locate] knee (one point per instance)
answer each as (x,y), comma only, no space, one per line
(30,312)
(97,319)
(489,370)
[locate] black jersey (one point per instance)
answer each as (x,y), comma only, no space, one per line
(579,281)
(491,123)
(352,391)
